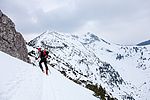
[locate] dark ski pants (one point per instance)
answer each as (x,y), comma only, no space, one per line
(45,63)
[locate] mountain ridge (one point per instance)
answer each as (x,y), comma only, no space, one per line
(144,43)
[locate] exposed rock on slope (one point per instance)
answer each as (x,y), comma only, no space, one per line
(11,41)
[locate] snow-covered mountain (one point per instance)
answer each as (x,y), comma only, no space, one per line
(115,71)
(23,81)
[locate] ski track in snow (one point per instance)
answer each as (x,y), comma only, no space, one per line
(48,90)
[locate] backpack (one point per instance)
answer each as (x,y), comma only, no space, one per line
(45,53)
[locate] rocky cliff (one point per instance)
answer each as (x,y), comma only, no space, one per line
(11,41)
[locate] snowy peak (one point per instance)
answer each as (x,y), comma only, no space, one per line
(89,38)
(52,38)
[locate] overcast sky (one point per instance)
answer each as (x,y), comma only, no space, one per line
(117,21)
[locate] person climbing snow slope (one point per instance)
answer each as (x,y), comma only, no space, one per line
(43,55)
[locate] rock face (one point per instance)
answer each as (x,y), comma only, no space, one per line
(11,41)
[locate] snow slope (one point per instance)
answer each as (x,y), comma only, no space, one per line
(22,81)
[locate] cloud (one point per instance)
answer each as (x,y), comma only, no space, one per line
(116,20)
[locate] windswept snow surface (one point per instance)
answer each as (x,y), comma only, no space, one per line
(22,81)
